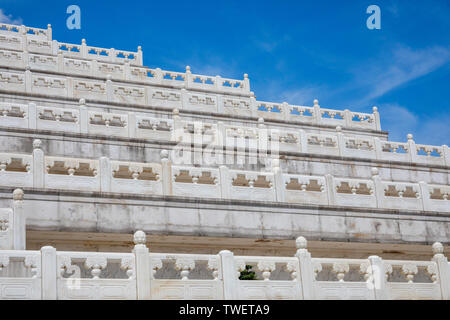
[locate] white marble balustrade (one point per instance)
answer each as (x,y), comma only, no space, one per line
(49,274)
(138,125)
(164,178)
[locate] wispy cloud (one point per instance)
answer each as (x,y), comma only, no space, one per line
(268,43)
(9,19)
(404,65)
(400,121)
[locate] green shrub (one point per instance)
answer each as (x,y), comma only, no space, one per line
(247,274)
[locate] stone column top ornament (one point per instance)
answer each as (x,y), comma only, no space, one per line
(438,248)
(37,143)
(139,238)
(301,243)
(164,154)
(374,171)
(18,194)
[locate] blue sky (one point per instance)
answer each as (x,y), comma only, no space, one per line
(293,51)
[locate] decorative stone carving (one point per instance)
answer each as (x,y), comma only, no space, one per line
(409,270)
(31,262)
(291,267)
(433,272)
(127,264)
(317,268)
(156,264)
(139,237)
(97,264)
(185,265)
(340,268)
(240,266)
(4,261)
(266,267)
(4,224)
(213,264)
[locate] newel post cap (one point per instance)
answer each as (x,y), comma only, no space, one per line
(18,194)
(139,237)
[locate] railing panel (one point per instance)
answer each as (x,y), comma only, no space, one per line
(96,276)
(20,275)
(186,276)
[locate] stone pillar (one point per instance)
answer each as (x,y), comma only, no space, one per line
(166,176)
(378,188)
(84,117)
(341,141)
(378,149)
(378,279)
(348,119)
(412,148)
(246,83)
(49,32)
(105,173)
(425,196)
(331,191)
(230,281)
(19,221)
(376,116)
(225,182)
(443,269)
(306,270)
(38,165)
(143,268)
(131,125)
(446,155)
(32,116)
(279,184)
(303,141)
(28,79)
(109,89)
(316,112)
(253,105)
(188,77)
(140,57)
(49,273)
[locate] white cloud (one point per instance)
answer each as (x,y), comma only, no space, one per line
(400,121)
(402,66)
(9,19)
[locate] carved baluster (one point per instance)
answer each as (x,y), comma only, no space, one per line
(388,270)
(433,272)
(213,265)
(97,264)
(409,270)
(4,262)
(185,265)
(4,225)
(340,268)
(156,264)
(32,264)
(317,268)
(127,264)
(365,269)
(240,266)
(266,267)
(291,267)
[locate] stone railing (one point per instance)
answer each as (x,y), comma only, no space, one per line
(51,274)
(177,129)
(166,178)
(39,41)
(124,83)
